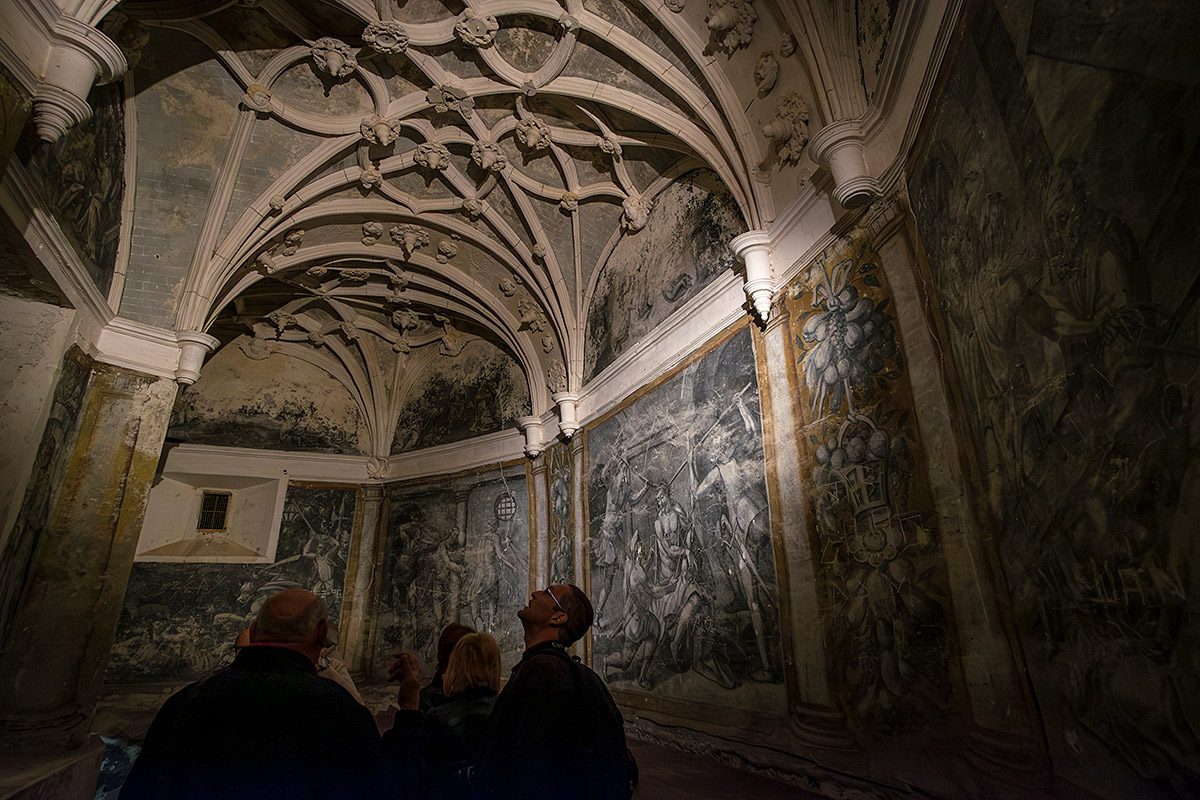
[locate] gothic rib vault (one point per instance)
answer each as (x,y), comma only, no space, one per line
(392,181)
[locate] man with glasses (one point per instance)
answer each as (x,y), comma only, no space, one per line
(556,731)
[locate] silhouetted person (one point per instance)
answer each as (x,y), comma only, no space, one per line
(555,732)
(434,694)
(265,727)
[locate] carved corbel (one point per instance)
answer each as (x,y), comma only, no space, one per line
(446,251)
(193,347)
(766,73)
(635,212)
(568,421)
(80,57)
(533,134)
(754,248)
(840,148)
(532,428)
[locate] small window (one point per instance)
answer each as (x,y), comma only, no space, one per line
(214,507)
(506,507)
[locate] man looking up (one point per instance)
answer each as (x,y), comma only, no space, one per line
(265,727)
(555,731)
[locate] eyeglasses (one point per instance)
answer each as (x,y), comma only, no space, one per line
(555,599)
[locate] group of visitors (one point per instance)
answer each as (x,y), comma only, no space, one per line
(284,722)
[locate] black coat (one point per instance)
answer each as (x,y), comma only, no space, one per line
(264,728)
(443,744)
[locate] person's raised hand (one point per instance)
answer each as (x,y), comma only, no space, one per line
(406,669)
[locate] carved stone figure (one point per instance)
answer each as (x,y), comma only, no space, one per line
(766,73)
(475,29)
(507,287)
(410,238)
(674,5)
(569,202)
(281,320)
(531,317)
(556,377)
(635,212)
(276,203)
(370,178)
(317,272)
(405,319)
(291,242)
(372,232)
(473,206)
(256,348)
(446,251)
(257,98)
(355,274)
(547,343)
(609,145)
(399,279)
(334,57)
(788,132)
(266,262)
(432,155)
(386,36)
(489,156)
(533,134)
(540,250)
(787,45)
(730,24)
(316,339)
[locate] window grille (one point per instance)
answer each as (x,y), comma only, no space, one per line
(214,507)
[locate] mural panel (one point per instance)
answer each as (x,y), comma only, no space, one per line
(458,551)
(1067,281)
(883,577)
(275,403)
(180,620)
(482,390)
(82,176)
(682,566)
(650,273)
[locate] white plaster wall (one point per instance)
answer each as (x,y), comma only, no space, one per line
(35,336)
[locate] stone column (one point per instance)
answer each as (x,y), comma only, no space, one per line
(362,580)
(818,720)
(81,520)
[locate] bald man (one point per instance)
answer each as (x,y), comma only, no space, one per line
(265,727)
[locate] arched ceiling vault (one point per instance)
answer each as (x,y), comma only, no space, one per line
(468,165)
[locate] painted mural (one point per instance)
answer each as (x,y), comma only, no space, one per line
(273,403)
(51,462)
(681,556)
(457,551)
(654,271)
(560,462)
(883,594)
(480,390)
(82,176)
(873,28)
(1057,201)
(180,620)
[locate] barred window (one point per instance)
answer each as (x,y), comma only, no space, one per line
(213,509)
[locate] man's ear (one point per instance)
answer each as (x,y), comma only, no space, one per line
(558,619)
(322,633)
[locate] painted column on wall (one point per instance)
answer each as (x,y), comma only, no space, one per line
(73,549)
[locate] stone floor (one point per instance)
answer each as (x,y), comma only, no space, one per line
(668,774)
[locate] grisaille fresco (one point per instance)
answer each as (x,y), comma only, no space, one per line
(682,567)
(560,461)
(83,179)
(457,551)
(180,620)
(655,270)
(1060,234)
(482,391)
(883,577)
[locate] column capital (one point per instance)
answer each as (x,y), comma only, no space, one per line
(193,347)
(79,57)
(841,148)
(754,248)
(532,428)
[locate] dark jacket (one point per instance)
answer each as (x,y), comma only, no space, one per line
(556,733)
(265,727)
(444,743)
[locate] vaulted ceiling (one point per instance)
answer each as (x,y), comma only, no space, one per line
(375,181)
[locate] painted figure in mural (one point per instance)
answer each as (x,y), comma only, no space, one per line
(639,628)
(677,596)
(483,579)
(445,600)
(739,487)
(616,523)
(561,561)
